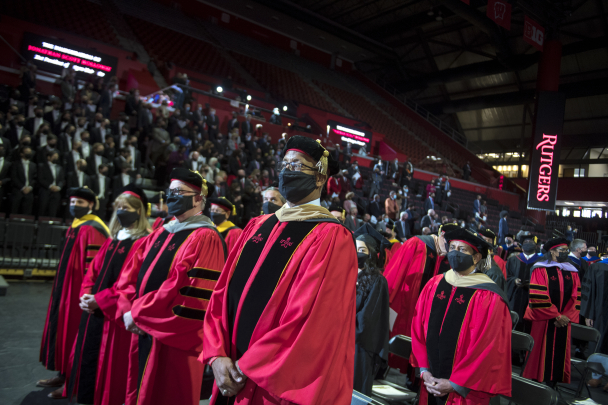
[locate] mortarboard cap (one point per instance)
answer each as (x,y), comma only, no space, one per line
(473,239)
(555,243)
(193,180)
(308,146)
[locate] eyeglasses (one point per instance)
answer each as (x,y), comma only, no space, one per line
(563,250)
(293,166)
(173,192)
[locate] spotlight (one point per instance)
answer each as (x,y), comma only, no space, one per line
(248,98)
(284,108)
(439,17)
(219,89)
(430,13)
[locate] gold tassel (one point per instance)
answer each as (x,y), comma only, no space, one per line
(343,215)
(234,210)
(96,203)
(149,210)
(322,164)
(204,188)
(161,199)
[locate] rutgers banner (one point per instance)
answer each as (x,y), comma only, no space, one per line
(544,166)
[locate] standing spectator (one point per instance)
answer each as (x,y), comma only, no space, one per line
(213,124)
(145,119)
(247,127)
(408,173)
(477,207)
(375,207)
(447,188)
(570,234)
(466,171)
(390,206)
(483,210)
(101,187)
(157,150)
(429,203)
(68,90)
(427,220)
(430,189)
(344,184)
(5,174)
(352,169)
(503,228)
(51,181)
(133,103)
(402,227)
(376,180)
(393,171)
(96,159)
(33,123)
(348,202)
(23,180)
(439,193)
(357,180)
(15,132)
(351,221)
(334,185)
(28,80)
(234,122)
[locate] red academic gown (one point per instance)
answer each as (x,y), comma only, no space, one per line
(101,351)
(333,186)
(82,242)
(501,264)
(553,292)
(159,222)
(230,233)
(176,273)
(301,348)
(390,253)
(407,273)
(472,328)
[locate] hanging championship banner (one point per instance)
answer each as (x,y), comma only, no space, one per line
(546,145)
(499,12)
(534,33)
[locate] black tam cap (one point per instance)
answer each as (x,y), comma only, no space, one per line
(335,207)
(82,192)
(303,144)
(526,236)
(488,233)
(445,228)
(193,180)
(157,198)
(133,190)
(224,204)
(472,239)
(555,243)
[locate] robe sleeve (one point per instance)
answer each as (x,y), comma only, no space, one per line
(496,275)
(91,275)
(126,285)
(540,307)
(589,294)
(512,267)
(372,331)
(93,240)
(483,360)
(419,357)
(573,306)
(174,313)
(232,238)
(315,334)
(109,299)
(216,343)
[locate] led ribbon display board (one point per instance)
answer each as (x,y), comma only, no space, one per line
(356,136)
(53,55)
(546,145)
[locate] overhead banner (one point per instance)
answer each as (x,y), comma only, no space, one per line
(499,12)
(546,148)
(53,55)
(356,136)
(534,33)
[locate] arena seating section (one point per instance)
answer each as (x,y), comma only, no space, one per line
(169,35)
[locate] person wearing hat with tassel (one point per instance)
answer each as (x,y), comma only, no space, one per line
(170,280)
(554,303)
(220,212)
(280,327)
(495,271)
(100,355)
(159,211)
(461,330)
(82,243)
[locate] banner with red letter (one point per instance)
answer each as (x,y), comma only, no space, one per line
(499,11)
(534,33)
(546,145)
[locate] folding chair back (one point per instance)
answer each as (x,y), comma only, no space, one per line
(401,346)
(585,333)
(514,318)
(522,342)
(360,399)
(528,392)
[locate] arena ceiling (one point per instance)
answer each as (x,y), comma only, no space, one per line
(459,64)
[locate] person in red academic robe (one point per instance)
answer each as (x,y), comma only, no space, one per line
(334,186)
(101,352)
(220,212)
(461,330)
(410,268)
(82,242)
(177,267)
(554,302)
(280,328)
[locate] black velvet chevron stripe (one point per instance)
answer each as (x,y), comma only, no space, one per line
(206,274)
(189,313)
(193,292)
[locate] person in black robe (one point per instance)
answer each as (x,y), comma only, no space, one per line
(594,306)
(372,332)
(493,271)
(518,279)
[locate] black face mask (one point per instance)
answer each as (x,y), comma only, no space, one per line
(179,204)
(78,212)
(270,208)
(85,140)
(583,253)
(460,261)
(529,247)
(217,218)
(99,153)
(45,131)
(562,257)
(19,123)
(126,218)
(1,152)
(295,186)
(361,259)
